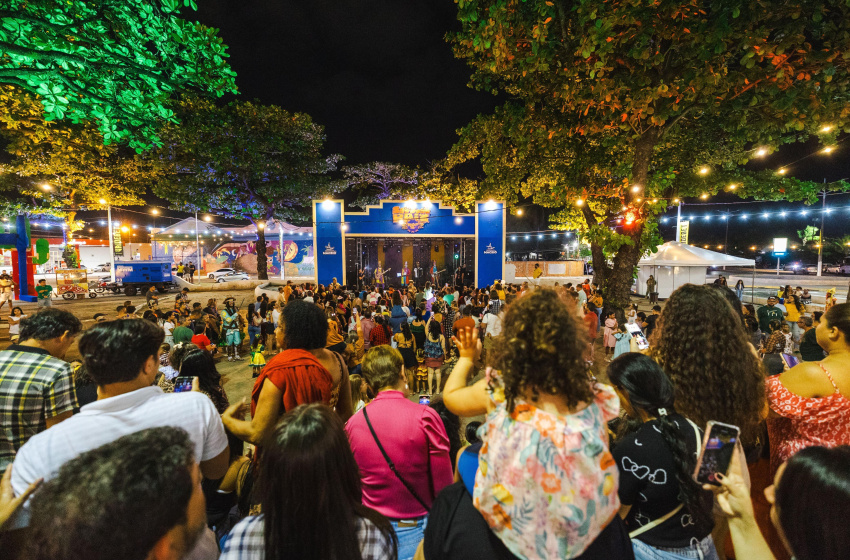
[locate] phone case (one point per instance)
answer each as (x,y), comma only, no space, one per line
(707,436)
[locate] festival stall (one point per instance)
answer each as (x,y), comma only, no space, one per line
(676,263)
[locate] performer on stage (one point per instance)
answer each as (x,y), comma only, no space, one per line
(418,275)
(459,272)
(361,279)
(434,273)
(379,276)
(405,274)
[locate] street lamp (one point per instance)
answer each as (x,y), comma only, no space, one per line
(104,202)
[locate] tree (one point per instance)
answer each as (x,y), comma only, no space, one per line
(61,168)
(809,235)
(247,161)
(115,62)
(613,105)
(380,180)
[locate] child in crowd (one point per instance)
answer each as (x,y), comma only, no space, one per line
(623,338)
(15,323)
(258,360)
(789,338)
(608,340)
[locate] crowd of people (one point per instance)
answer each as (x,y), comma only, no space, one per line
(436,423)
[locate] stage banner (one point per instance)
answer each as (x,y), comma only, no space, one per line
(409,219)
(490,243)
(328,243)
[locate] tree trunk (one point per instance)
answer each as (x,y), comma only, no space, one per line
(262,264)
(617,285)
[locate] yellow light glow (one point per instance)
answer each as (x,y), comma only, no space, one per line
(261,225)
(826,128)
(703,170)
(828,150)
(793,246)
(783,171)
(654,200)
(705,246)
(579,202)
(733,186)
(636,188)
(46,187)
(638,199)
(519,212)
(343,227)
(703,196)
(761,152)
(207,218)
(154,211)
(720,246)
(676,200)
(91,229)
(125,229)
(817,246)
(753,248)
(102,201)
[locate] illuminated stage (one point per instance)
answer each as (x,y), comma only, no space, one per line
(396,231)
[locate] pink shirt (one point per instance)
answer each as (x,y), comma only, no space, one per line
(415,439)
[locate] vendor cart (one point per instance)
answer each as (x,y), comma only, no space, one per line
(73,283)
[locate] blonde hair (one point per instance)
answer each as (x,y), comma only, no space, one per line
(381,367)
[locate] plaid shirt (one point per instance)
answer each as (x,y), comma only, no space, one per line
(33,386)
(247,542)
(378,336)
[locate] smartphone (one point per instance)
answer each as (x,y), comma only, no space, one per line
(183,384)
(425,399)
(634,329)
(717,448)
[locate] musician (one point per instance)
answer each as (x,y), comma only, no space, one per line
(435,274)
(361,278)
(379,276)
(405,274)
(418,275)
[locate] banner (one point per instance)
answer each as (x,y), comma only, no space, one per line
(684,226)
(117,244)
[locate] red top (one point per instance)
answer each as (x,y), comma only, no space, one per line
(299,375)
(591,320)
(378,336)
(414,437)
(201,341)
(805,422)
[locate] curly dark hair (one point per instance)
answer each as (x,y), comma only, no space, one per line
(701,343)
(542,349)
(305,326)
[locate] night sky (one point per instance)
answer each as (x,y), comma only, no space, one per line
(382,79)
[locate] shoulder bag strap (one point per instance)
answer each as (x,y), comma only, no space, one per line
(655,523)
(391,464)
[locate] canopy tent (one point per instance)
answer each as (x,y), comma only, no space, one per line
(677,263)
(184,230)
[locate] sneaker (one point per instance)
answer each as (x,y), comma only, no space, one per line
(230,358)
(237,357)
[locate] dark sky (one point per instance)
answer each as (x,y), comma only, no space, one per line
(377,74)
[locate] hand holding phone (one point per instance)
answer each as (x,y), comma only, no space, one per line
(637,334)
(718,447)
(184,384)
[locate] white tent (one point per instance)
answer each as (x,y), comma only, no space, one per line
(677,263)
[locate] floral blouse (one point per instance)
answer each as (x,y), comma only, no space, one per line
(547,484)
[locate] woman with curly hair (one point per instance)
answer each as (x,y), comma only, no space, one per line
(546,483)
(701,343)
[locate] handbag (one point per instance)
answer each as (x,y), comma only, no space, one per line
(656,522)
(392,465)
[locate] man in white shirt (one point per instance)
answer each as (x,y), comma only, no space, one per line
(123,359)
(136,497)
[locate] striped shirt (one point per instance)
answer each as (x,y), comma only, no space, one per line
(34,386)
(246,541)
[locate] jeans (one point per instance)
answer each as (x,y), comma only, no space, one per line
(253,333)
(409,537)
(45,302)
(703,550)
(740,293)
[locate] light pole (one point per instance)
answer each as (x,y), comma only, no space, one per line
(820,245)
(111,239)
(198,246)
(280,249)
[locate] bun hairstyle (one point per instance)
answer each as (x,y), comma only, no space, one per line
(649,389)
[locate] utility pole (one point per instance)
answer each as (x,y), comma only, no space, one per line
(111,243)
(198,247)
(679,222)
(820,244)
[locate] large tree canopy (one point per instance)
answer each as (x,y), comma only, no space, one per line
(248,161)
(60,168)
(613,105)
(115,62)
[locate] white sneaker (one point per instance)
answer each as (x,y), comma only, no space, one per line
(230,358)
(238,357)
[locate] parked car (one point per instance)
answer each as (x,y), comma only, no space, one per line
(220,272)
(802,268)
(101,268)
(231,277)
(832,268)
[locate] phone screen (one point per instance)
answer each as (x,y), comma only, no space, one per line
(635,331)
(425,399)
(183,384)
(718,445)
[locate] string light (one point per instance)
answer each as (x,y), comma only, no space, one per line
(826,128)
(761,152)
(703,171)
(782,171)
(704,196)
(828,150)
(579,202)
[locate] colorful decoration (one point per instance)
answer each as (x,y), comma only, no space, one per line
(20,242)
(411,219)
